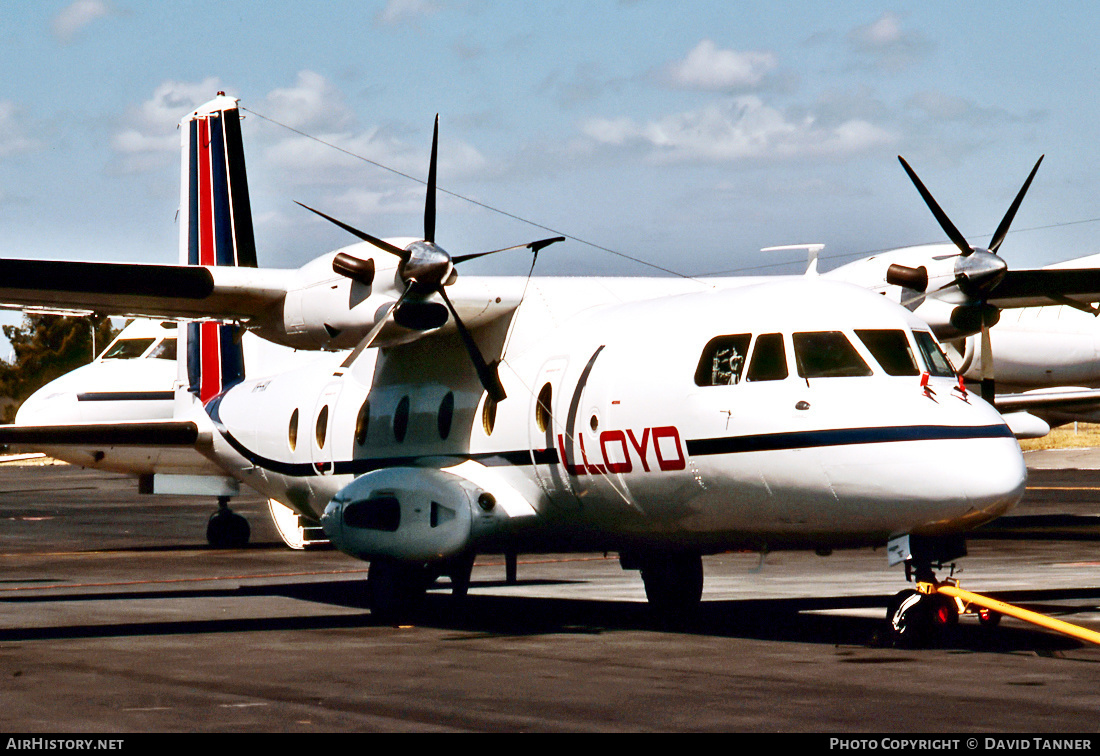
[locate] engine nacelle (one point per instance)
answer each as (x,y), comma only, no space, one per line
(407,513)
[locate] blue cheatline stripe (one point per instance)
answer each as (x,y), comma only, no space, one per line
(232,356)
(193,197)
(194,358)
(696,447)
(843,437)
(223,223)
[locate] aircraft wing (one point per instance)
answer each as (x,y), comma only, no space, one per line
(143,290)
(1047,286)
(1056,399)
(135,448)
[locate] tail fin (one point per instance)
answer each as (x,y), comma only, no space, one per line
(215,229)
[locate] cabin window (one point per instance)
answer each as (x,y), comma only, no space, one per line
(489,416)
(723,360)
(769,359)
(891,349)
(446,415)
(934,358)
(401,419)
(362,423)
(827,354)
(322,426)
(542,408)
(165,350)
(127,349)
(292,431)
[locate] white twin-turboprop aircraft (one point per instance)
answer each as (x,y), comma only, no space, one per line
(427,416)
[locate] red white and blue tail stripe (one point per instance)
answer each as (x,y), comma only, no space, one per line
(215,229)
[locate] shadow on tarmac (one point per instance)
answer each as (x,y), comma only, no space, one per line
(787,620)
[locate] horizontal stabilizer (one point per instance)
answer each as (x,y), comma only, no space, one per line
(143,290)
(167,433)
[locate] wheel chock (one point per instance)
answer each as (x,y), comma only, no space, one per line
(966,599)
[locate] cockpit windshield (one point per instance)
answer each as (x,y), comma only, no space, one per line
(723,360)
(827,354)
(891,349)
(127,349)
(934,358)
(165,350)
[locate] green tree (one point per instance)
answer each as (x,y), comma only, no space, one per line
(46,347)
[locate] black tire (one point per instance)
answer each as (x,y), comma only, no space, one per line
(673,583)
(395,590)
(227,530)
(921,620)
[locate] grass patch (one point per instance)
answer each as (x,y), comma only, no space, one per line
(1065,437)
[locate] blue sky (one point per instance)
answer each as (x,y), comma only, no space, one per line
(684,134)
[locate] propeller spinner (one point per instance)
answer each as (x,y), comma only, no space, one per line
(978,271)
(425,268)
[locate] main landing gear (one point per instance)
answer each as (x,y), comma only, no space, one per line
(395,588)
(226,529)
(673,581)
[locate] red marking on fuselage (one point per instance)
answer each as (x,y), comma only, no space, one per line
(670,454)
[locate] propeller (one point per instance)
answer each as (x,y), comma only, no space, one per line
(425,268)
(978,272)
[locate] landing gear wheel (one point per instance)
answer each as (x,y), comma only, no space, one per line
(918,620)
(673,583)
(227,530)
(395,590)
(988,618)
(459,570)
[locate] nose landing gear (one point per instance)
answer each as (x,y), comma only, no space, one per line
(927,615)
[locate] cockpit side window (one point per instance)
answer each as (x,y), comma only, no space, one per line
(769,360)
(827,354)
(934,358)
(891,349)
(165,350)
(723,360)
(127,349)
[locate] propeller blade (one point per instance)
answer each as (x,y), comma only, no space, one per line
(534,246)
(429,201)
(988,383)
(1002,230)
(367,340)
(486,372)
(945,223)
(385,245)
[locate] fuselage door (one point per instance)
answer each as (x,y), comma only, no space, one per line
(322,439)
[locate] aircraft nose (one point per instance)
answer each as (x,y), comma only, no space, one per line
(997,476)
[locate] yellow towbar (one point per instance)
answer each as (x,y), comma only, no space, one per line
(967,598)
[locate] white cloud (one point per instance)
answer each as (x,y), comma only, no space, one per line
(148,138)
(742,129)
(401,11)
(311,103)
(944,107)
(78,16)
(884,32)
(886,44)
(707,67)
(13,136)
